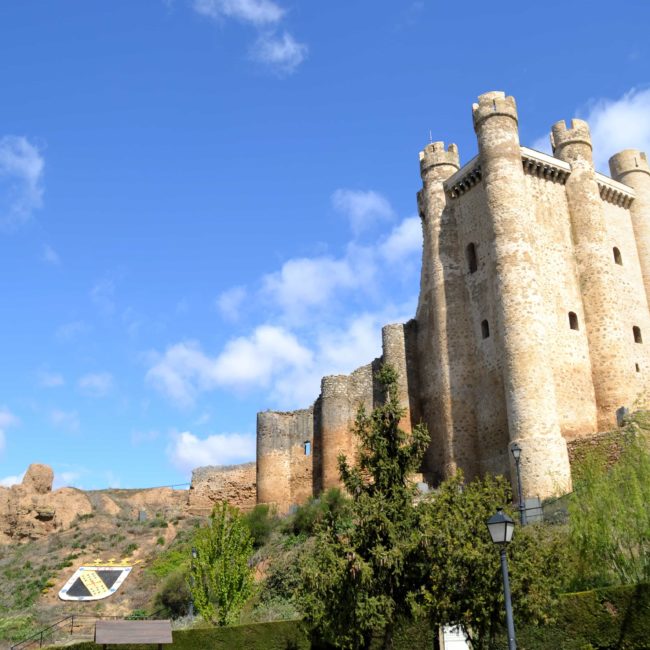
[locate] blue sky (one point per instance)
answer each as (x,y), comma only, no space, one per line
(206,205)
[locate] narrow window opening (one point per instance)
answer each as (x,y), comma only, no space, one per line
(637,334)
(472,261)
(307,446)
(485,329)
(573,321)
(636,365)
(617,256)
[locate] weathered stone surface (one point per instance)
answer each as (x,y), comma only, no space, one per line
(235,484)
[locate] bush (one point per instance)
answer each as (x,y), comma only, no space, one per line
(174,596)
(306,517)
(261,521)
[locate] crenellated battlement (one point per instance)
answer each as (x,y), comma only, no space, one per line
(435,154)
(563,136)
(492,104)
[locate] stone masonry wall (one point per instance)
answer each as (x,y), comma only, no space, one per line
(210,485)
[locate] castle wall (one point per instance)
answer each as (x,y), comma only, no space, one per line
(235,484)
(632,302)
(488,396)
(553,249)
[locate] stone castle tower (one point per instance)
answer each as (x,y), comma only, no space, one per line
(531,320)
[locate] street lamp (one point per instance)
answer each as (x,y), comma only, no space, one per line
(516,454)
(191,607)
(501,528)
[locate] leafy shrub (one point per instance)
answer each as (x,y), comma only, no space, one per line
(306,517)
(261,521)
(129,548)
(174,595)
(160,541)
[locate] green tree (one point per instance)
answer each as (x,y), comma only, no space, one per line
(609,514)
(357,581)
(463,585)
(222,579)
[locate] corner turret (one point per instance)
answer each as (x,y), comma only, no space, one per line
(631,167)
(493,104)
(435,155)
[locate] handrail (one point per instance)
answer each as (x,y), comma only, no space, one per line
(39,636)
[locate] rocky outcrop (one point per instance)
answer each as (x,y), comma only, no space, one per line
(233,483)
(31,510)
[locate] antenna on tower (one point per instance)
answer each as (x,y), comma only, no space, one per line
(430,137)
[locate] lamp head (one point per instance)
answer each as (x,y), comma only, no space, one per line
(516,451)
(501,527)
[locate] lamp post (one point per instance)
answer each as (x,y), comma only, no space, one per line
(191,608)
(501,528)
(516,454)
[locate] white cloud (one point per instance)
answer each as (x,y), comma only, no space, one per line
(47,379)
(229,303)
(280,52)
(187,451)
(404,241)
(619,124)
(305,283)
(70,331)
(21,176)
(68,420)
(8,481)
(7,420)
(256,12)
(185,370)
(103,295)
(364,208)
(97,384)
(50,256)
(64,479)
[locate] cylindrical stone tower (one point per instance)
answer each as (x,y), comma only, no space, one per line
(273,460)
(608,346)
(520,333)
(446,367)
(394,353)
(631,167)
(335,427)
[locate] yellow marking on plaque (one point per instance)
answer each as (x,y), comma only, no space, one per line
(92,582)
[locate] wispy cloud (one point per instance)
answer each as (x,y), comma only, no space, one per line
(404,241)
(50,256)
(257,12)
(21,179)
(229,303)
(65,479)
(103,295)
(7,420)
(96,384)
(68,420)
(70,331)
(47,379)
(188,451)
(184,370)
(278,50)
(363,208)
(281,52)
(8,481)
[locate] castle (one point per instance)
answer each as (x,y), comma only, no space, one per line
(531,319)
